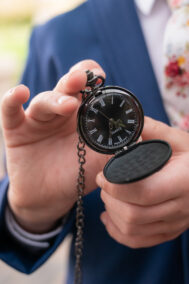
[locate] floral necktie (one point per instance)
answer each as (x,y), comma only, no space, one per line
(176,65)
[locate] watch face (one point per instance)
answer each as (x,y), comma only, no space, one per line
(110,120)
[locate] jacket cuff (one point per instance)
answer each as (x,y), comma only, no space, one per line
(41,241)
(14,253)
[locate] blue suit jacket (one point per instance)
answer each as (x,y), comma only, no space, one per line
(109,32)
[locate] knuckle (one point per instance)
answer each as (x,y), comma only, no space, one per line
(40,97)
(124,239)
(105,185)
(109,188)
(40,100)
(102,195)
(127,230)
(106,199)
(144,193)
(132,216)
(124,229)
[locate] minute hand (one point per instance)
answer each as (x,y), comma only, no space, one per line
(117,123)
(104,115)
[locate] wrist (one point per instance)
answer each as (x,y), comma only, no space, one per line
(33,220)
(27,221)
(33,216)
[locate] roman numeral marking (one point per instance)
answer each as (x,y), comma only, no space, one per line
(110,141)
(129,110)
(122,103)
(93,131)
(102,102)
(112,101)
(119,138)
(100,138)
(94,110)
(130,121)
(127,131)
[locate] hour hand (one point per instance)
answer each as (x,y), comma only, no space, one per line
(119,123)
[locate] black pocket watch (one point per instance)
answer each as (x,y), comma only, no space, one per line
(110,121)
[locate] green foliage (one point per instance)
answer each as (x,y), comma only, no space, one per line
(14,35)
(15,20)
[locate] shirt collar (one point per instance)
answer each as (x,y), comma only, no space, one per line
(145,6)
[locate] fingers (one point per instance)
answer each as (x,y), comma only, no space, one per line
(134,214)
(143,226)
(137,241)
(63,99)
(155,228)
(11,107)
(75,80)
(153,129)
(162,186)
(72,83)
(46,106)
(88,64)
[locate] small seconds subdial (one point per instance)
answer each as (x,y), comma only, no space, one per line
(110,120)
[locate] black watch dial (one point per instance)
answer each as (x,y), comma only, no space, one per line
(110,120)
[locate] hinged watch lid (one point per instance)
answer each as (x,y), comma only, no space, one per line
(137,162)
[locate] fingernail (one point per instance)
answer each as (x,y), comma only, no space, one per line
(103,219)
(11,91)
(97,71)
(76,66)
(100,179)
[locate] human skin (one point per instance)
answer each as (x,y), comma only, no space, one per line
(41,150)
(155,209)
(43,167)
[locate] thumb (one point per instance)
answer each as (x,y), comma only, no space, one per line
(154,129)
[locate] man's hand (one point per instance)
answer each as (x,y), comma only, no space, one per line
(41,150)
(155,209)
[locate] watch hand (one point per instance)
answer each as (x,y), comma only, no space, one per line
(122,125)
(110,129)
(104,115)
(119,123)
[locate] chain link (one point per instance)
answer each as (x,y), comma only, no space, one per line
(80,211)
(93,86)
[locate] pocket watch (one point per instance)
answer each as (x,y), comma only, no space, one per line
(110,121)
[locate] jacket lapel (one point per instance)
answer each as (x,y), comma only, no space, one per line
(118,29)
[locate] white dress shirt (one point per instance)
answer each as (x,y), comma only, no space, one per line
(153,16)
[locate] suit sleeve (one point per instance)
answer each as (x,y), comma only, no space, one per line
(39,75)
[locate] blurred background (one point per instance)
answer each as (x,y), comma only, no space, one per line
(16,20)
